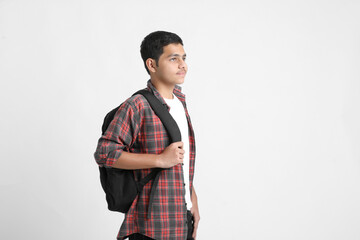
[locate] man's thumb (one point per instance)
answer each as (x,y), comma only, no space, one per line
(180,144)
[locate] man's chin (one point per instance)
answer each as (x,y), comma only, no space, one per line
(180,80)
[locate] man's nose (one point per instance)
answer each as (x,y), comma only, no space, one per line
(182,64)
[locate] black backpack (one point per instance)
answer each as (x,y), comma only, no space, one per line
(119,184)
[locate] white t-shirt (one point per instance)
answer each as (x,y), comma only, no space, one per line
(177,111)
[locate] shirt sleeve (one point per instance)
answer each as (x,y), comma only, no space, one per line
(120,135)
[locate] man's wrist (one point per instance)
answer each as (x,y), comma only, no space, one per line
(158,161)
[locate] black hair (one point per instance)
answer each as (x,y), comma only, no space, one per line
(153,43)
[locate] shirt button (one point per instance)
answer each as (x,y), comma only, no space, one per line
(184,184)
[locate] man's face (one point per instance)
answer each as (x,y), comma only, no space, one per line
(172,67)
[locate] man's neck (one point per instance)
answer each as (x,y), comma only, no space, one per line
(165,90)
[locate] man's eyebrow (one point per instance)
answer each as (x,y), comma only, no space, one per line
(176,55)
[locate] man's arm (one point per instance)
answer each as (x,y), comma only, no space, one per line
(128,160)
(171,156)
(195,212)
(121,134)
(194,196)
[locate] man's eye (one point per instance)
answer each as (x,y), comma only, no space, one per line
(172,59)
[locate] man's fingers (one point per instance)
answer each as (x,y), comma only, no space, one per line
(181,152)
(179,144)
(194,233)
(196,223)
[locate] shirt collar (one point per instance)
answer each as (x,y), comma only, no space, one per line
(177,92)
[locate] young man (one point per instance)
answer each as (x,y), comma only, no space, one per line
(136,139)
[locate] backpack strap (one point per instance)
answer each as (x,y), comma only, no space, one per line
(161,111)
(172,129)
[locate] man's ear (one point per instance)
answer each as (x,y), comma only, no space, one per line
(151,65)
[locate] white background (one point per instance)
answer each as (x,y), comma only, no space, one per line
(273,91)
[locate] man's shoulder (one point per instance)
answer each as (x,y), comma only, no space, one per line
(137,102)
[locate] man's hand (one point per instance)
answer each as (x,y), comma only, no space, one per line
(172,155)
(195,212)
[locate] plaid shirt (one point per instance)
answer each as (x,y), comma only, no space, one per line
(136,128)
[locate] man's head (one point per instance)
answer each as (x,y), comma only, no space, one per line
(164,57)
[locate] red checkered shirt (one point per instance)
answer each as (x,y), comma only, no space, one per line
(136,128)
